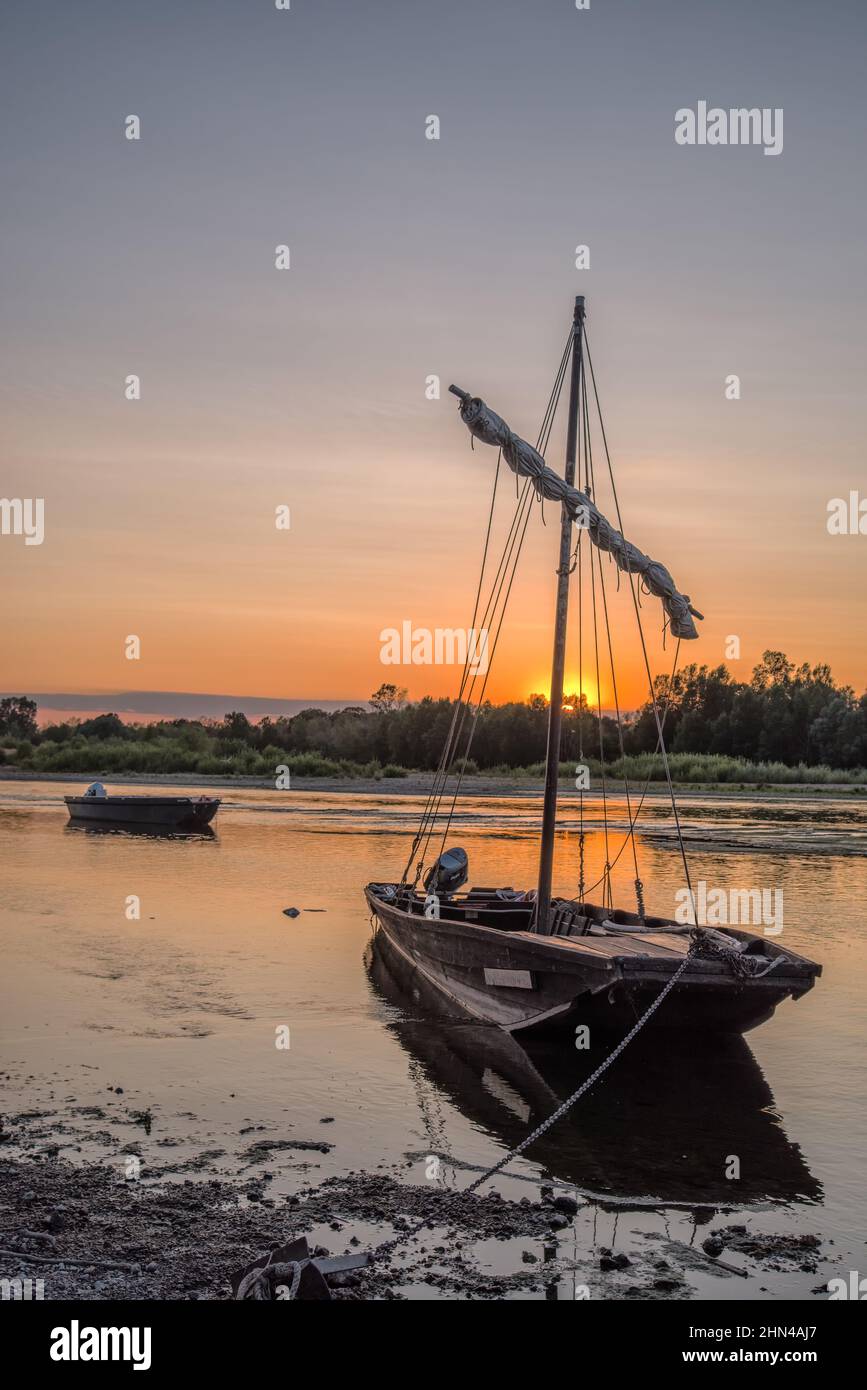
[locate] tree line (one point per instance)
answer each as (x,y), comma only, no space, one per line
(785,714)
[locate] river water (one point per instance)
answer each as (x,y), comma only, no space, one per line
(181,1015)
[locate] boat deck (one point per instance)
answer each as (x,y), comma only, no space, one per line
(664,944)
(605,936)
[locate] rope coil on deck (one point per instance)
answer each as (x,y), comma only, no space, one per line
(706,946)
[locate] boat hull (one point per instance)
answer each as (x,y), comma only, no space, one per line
(542,985)
(175,812)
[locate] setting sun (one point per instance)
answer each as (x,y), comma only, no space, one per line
(572,688)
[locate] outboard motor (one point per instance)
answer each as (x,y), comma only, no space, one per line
(449,873)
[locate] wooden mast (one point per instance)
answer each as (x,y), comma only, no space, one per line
(555,713)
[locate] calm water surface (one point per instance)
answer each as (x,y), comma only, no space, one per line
(181,1009)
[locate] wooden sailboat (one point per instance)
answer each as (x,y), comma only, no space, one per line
(522,960)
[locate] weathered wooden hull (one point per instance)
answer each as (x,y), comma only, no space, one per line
(532,984)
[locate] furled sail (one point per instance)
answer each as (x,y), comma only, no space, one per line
(523,459)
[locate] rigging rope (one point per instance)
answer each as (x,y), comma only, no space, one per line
(639,887)
(652,691)
(493,617)
(448,744)
(648,778)
(519,522)
(494,614)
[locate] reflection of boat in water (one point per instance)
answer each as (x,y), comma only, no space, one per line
(665,1125)
(132,828)
(151,813)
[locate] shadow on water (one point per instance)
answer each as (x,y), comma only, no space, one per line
(663,1124)
(147,832)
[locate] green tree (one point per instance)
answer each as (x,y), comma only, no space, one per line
(236,725)
(18,718)
(103,726)
(388,697)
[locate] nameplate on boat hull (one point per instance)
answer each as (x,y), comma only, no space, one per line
(512,979)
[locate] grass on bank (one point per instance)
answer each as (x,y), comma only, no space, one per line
(95,757)
(104,757)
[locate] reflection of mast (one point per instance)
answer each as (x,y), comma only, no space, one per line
(431,1109)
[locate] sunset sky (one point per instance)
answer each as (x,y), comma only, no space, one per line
(412,257)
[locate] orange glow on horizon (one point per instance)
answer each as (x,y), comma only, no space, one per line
(226,604)
(572,687)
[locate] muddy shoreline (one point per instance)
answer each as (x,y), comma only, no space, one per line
(88,1234)
(117,1227)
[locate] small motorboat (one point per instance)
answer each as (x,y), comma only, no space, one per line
(172,812)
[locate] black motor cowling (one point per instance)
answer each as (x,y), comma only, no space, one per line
(449,873)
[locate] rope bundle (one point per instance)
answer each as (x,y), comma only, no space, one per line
(259,1284)
(707,945)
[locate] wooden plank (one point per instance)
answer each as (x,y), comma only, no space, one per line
(589,945)
(606,947)
(633,946)
(628,944)
(678,945)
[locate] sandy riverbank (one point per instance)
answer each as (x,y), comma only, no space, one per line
(419,784)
